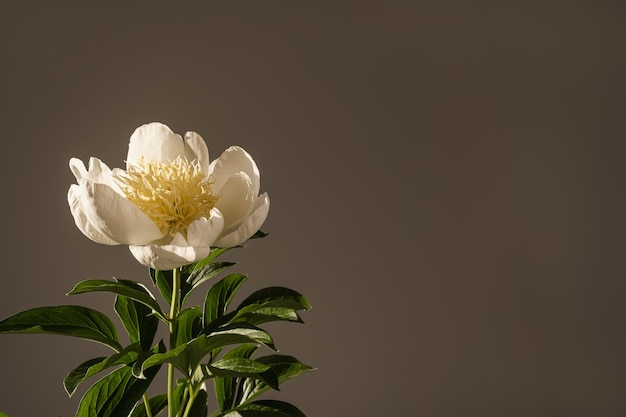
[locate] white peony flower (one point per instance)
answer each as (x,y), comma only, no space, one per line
(169,205)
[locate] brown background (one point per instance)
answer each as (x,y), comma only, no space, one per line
(447,185)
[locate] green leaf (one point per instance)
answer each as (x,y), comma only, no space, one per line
(252,413)
(242,367)
(199,407)
(265,408)
(201,275)
(285,368)
(126,288)
(93,366)
(157,404)
(137,319)
(220,295)
(163,281)
(275,294)
(188,325)
(143,356)
(226,387)
(275,310)
(276,314)
(215,252)
(187,357)
(115,395)
(194,272)
(244,329)
(75,321)
(237,366)
(179,391)
(259,235)
(284,407)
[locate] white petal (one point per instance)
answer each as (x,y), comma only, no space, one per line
(154,141)
(78,168)
(116,217)
(236,199)
(250,226)
(168,257)
(204,231)
(231,162)
(195,148)
(179,240)
(98,171)
(74,198)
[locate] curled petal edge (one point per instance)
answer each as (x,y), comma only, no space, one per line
(80,218)
(167,257)
(196,149)
(232,161)
(249,226)
(116,217)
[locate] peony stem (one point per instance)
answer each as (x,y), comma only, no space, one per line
(192,396)
(147,405)
(173,317)
(184,399)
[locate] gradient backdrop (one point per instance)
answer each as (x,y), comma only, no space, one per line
(447,184)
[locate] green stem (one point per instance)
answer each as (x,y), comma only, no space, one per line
(192,397)
(182,401)
(173,317)
(146,403)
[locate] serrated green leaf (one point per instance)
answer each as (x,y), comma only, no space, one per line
(93,366)
(220,295)
(126,288)
(285,367)
(276,294)
(75,321)
(157,404)
(115,395)
(226,387)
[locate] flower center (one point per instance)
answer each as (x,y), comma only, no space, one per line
(173,194)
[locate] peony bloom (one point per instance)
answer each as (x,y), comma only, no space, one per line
(169,205)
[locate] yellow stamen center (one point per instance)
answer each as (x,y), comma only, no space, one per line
(173,194)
